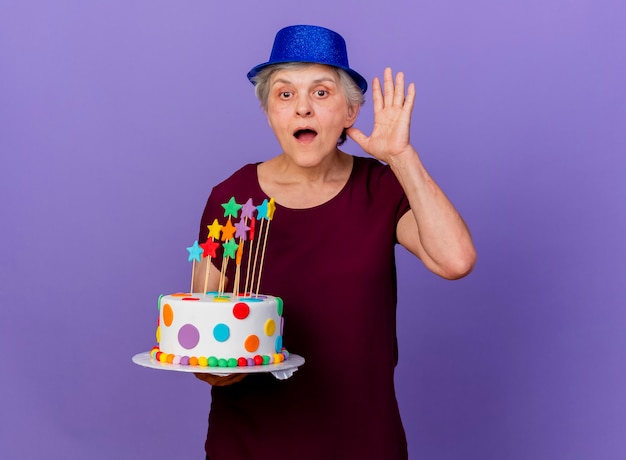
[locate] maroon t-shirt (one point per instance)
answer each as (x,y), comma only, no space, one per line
(334,267)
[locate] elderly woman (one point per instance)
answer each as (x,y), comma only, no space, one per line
(330,257)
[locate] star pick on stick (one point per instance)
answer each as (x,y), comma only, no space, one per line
(215,229)
(228,231)
(230,248)
(231,208)
(195,251)
(209,248)
(248,209)
(242,229)
(271,208)
(262,210)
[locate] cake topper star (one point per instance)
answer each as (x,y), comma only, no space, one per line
(231,208)
(230,248)
(215,230)
(195,251)
(242,229)
(209,247)
(262,210)
(271,208)
(248,209)
(228,231)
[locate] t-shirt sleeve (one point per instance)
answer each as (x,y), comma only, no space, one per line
(383,184)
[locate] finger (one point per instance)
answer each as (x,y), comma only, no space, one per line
(398,96)
(410,98)
(377,96)
(357,136)
(388,88)
(217,380)
(228,380)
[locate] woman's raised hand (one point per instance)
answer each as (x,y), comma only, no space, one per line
(392,119)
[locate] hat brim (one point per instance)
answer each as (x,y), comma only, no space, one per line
(358,79)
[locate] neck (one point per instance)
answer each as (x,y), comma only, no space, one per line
(328,169)
(297,186)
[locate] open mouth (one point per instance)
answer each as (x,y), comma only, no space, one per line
(305,135)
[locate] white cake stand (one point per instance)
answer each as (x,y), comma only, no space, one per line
(281,371)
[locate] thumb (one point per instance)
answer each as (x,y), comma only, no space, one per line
(357,136)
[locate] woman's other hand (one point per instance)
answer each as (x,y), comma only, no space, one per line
(220,380)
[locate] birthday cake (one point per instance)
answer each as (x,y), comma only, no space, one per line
(220,328)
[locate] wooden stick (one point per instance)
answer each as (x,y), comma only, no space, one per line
(238,267)
(252,228)
(206,275)
(221,287)
(258,285)
(256,257)
(193,272)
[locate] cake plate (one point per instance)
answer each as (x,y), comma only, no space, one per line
(281,371)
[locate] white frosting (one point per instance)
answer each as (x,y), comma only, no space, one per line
(220,327)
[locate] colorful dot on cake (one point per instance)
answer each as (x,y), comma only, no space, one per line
(221,332)
(266,359)
(168,315)
(278,358)
(279,306)
(188,336)
(251,344)
(170,358)
(193,361)
(159,302)
(212,361)
(253,299)
(270,327)
(203,361)
(158,334)
(278,344)
(222,362)
(258,360)
(241,310)
(232,362)
(242,362)
(184,360)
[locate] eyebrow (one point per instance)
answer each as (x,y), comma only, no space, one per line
(315,82)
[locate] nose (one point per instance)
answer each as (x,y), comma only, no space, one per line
(304,108)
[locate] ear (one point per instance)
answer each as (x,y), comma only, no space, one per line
(353,113)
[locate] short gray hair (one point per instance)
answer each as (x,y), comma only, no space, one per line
(352,92)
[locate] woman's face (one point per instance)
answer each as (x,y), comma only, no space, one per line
(308,111)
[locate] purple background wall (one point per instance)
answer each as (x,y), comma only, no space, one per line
(117,117)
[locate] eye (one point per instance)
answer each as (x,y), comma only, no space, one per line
(321,93)
(284,94)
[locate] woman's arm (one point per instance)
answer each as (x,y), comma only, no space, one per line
(434,231)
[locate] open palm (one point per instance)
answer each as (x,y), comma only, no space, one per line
(392,118)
